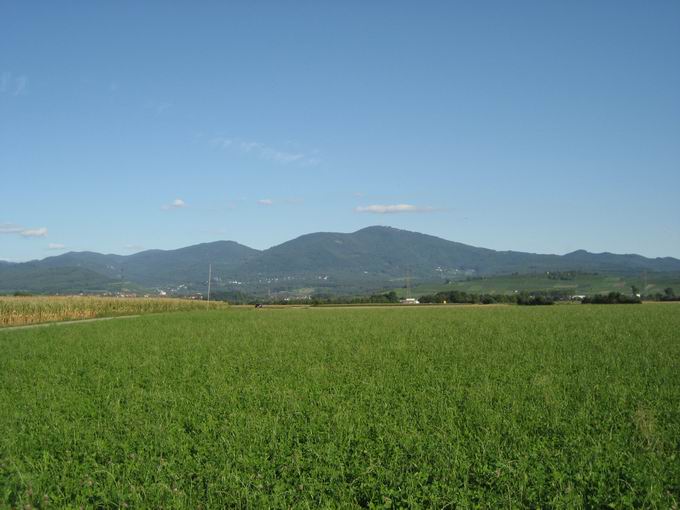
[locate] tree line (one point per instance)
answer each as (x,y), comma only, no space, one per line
(520,298)
(613,298)
(524,298)
(668,295)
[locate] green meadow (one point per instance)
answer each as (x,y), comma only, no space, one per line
(576,283)
(445,407)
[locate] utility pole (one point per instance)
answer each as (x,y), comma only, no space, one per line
(209,278)
(408,283)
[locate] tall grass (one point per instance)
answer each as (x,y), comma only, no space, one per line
(17,311)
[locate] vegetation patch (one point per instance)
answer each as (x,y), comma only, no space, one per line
(613,298)
(559,406)
(22,310)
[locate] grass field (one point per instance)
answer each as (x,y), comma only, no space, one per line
(491,407)
(588,284)
(18,311)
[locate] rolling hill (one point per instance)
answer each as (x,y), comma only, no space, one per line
(33,278)
(370,258)
(649,283)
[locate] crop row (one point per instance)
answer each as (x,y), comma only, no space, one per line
(17,311)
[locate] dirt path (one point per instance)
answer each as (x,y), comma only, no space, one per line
(62,323)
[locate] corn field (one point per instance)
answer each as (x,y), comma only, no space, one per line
(17,311)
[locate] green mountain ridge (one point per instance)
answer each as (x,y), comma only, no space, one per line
(370,258)
(33,278)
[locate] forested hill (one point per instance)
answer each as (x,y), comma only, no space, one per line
(366,258)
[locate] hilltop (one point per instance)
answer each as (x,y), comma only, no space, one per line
(370,258)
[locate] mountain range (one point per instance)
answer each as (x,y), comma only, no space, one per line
(371,258)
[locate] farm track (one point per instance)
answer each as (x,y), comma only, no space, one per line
(64,323)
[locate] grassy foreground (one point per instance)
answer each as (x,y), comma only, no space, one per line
(564,406)
(19,311)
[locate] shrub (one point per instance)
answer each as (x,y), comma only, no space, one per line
(613,298)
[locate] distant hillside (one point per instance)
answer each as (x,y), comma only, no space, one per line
(377,252)
(374,257)
(52,280)
(159,268)
(190,264)
(106,265)
(380,252)
(648,283)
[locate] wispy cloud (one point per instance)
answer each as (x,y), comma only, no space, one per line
(267,152)
(158,107)
(162,107)
(8,228)
(133,247)
(287,201)
(56,246)
(178,203)
(20,85)
(34,232)
(392,209)
(13,84)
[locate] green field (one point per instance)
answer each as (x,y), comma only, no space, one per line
(459,406)
(580,284)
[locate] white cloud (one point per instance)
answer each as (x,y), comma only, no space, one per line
(267,152)
(265,201)
(34,232)
(8,228)
(392,209)
(133,247)
(56,246)
(178,203)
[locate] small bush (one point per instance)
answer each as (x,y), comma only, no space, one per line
(530,300)
(613,298)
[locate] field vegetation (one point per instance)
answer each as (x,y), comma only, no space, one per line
(613,298)
(22,310)
(442,407)
(564,282)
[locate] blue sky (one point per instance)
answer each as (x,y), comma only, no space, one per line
(536,126)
